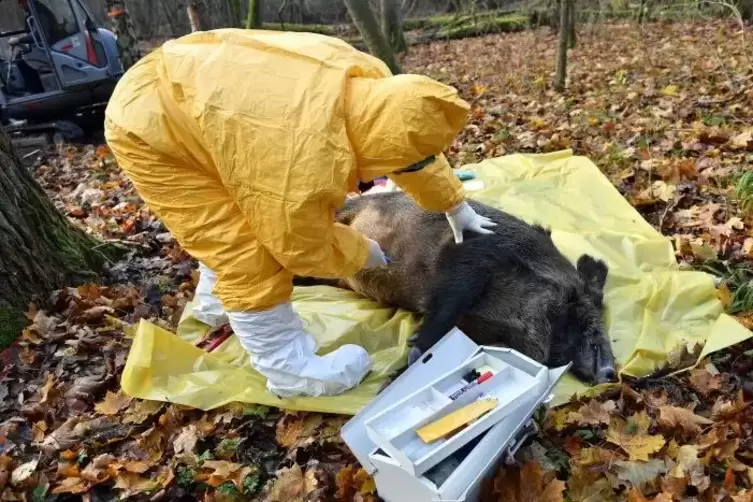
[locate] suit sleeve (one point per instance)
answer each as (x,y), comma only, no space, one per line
(435,187)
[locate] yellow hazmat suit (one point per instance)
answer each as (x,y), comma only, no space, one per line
(245,144)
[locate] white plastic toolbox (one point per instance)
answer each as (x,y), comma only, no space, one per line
(405,475)
(394,428)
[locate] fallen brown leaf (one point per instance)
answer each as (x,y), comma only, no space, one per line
(633,437)
(96,314)
(364,482)
(71,485)
(728,409)
(133,484)
(63,437)
(38,431)
(186,441)
(701,379)
(662,497)
(68,469)
(528,484)
(297,430)
(288,487)
(95,473)
(593,413)
(222,471)
(48,387)
(689,467)
(743,140)
(6,466)
(635,495)
(557,418)
(597,455)
(586,486)
(23,472)
(344,483)
(136,466)
(742,496)
(730,483)
(140,410)
(689,422)
(640,474)
(113,403)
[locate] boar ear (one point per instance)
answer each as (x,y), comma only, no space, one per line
(594,272)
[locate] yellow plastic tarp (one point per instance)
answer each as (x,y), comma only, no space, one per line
(652,306)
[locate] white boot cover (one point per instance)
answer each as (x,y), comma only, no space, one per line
(284,353)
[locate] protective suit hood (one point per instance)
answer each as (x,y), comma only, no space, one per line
(397,121)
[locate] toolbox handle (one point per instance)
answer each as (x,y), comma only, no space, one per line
(531,429)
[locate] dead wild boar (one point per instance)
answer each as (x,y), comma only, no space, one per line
(511,288)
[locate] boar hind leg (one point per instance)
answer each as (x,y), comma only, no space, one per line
(389,285)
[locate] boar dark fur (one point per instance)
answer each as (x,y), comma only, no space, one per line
(511,288)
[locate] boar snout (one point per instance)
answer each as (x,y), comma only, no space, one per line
(606,375)
(594,361)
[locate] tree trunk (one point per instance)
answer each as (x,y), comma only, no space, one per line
(392,24)
(254,14)
(194,18)
(561,75)
(234,13)
(642,12)
(40,251)
(367,25)
(746,10)
(554,11)
(122,27)
(571,35)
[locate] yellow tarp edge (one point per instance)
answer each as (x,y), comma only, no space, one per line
(652,306)
(164,367)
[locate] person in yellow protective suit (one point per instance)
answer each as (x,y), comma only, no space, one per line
(245,143)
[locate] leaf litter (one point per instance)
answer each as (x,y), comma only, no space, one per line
(675,150)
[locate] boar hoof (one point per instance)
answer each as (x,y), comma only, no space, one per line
(414,355)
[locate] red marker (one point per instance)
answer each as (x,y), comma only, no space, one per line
(483,378)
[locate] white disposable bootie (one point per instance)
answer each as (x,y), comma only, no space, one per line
(286,355)
(206,306)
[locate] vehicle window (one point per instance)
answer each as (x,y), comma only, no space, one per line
(11,21)
(81,13)
(56,19)
(12,17)
(89,13)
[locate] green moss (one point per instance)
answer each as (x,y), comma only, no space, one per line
(452,20)
(73,247)
(504,24)
(430,22)
(12,321)
(744,190)
(227,447)
(81,252)
(453,27)
(469,25)
(738,278)
(322,29)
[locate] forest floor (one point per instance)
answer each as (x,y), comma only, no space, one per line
(666,111)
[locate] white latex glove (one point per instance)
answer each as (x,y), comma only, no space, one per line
(463,217)
(376,255)
(286,355)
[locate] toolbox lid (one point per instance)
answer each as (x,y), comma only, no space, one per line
(452,350)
